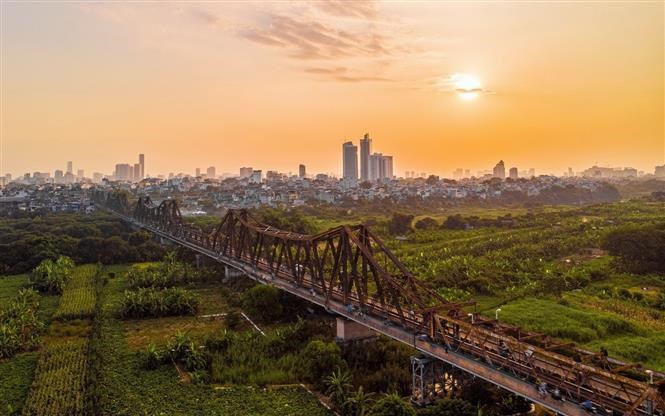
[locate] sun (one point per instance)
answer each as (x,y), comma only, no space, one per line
(467,86)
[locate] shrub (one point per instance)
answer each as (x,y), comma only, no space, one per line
(262,302)
(392,405)
(50,276)
(152,357)
(20,324)
(400,224)
(427,223)
(149,302)
(449,407)
(318,360)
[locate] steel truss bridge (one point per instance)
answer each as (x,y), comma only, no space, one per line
(349,269)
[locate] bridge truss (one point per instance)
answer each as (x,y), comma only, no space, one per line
(349,271)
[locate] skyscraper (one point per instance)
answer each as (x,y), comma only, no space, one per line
(59,176)
(198,172)
(500,170)
(365,152)
(142,163)
(123,172)
(70,167)
(513,173)
(246,172)
(301,171)
(80,174)
(350,161)
(211,172)
(137,172)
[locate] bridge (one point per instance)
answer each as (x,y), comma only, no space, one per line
(349,271)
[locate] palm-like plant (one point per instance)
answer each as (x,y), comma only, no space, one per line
(359,403)
(339,384)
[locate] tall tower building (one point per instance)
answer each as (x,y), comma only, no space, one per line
(301,171)
(350,161)
(513,173)
(500,170)
(211,172)
(70,167)
(365,152)
(137,172)
(142,163)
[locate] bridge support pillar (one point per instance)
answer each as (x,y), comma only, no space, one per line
(348,330)
(230,272)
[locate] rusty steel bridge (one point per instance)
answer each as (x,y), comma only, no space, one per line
(348,269)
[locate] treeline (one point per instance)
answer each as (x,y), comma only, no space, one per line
(24,243)
(639,248)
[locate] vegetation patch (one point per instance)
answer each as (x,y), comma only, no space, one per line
(16,375)
(78,298)
(59,381)
(151,302)
(552,318)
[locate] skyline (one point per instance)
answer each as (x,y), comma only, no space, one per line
(556,85)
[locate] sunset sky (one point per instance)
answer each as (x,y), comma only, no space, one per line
(272,85)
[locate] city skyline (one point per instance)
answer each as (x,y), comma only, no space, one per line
(442,85)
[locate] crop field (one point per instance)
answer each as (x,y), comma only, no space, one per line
(78,298)
(58,387)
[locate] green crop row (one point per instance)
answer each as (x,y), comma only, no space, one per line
(78,298)
(58,387)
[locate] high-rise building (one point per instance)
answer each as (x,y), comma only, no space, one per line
(70,167)
(660,171)
(256,176)
(246,172)
(211,172)
(458,173)
(80,174)
(142,169)
(58,176)
(380,167)
(532,172)
(350,161)
(365,152)
(123,172)
(97,177)
(500,170)
(513,173)
(301,172)
(136,172)
(197,172)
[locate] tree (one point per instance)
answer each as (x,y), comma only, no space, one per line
(338,385)
(319,359)
(392,405)
(262,302)
(432,180)
(400,224)
(427,223)
(454,222)
(449,407)
(640,248)
(359,403)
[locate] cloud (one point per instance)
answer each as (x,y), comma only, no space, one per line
(307,38)
(203,16)
(345,8)
(344,74)
(459,83)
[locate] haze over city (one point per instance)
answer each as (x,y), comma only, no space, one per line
(272,85)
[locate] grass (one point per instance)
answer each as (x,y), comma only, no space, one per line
(10,285)
(16,375)
(140,333)
(566,322)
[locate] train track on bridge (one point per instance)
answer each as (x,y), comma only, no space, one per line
(349,271)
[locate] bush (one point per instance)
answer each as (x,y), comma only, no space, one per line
(427,223)
(19,324)
(318,360)
(152,357)
(400,224)
(392,405)
(232,319)
(50,276)
(449,407)
(262,303)
(149,302)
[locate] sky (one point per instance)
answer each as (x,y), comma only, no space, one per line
(438,85)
